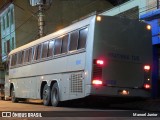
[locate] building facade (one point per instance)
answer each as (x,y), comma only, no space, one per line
(7,31)
(132,9)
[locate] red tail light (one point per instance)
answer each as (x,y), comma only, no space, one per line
(147,67)
(147,86)
(97,82)
(99,62)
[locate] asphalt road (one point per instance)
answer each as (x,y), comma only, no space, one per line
(35,108)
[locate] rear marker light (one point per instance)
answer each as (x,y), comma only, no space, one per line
(99,18)
(97,82)
(147,67)
(147,86)
(148,27)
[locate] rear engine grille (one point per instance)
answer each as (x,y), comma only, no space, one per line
(76,83)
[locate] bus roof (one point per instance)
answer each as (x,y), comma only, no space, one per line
(58,33)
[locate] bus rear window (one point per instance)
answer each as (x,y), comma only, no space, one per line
(65,44)
(58,44)
(82,38)
(74,40)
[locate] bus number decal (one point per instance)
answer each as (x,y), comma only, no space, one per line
(78,62)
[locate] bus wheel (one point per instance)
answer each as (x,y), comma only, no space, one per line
(13,98)
(55,95)
(46,95)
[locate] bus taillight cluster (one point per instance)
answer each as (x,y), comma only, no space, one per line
(97,72)
(147,77)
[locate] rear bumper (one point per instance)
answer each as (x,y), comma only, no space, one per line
(114,91)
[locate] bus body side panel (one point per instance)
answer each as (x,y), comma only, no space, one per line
(125,47)
(89,57)
(67,71)
(75,77)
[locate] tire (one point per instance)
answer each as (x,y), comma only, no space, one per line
(55,95)
(13,98)
(46,95)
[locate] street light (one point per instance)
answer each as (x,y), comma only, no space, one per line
(40,4)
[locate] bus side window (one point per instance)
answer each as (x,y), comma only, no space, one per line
(37,52)
(65,44)
(73,40)
(22,59)
(19,57)
(58,44)
(30,54)
(82,38)
(26,56)
(51,46)
(15,59)
(45,50)
(12,60)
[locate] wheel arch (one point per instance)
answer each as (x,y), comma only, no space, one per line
(53,82)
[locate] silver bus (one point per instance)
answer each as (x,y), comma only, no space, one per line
(96,56)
